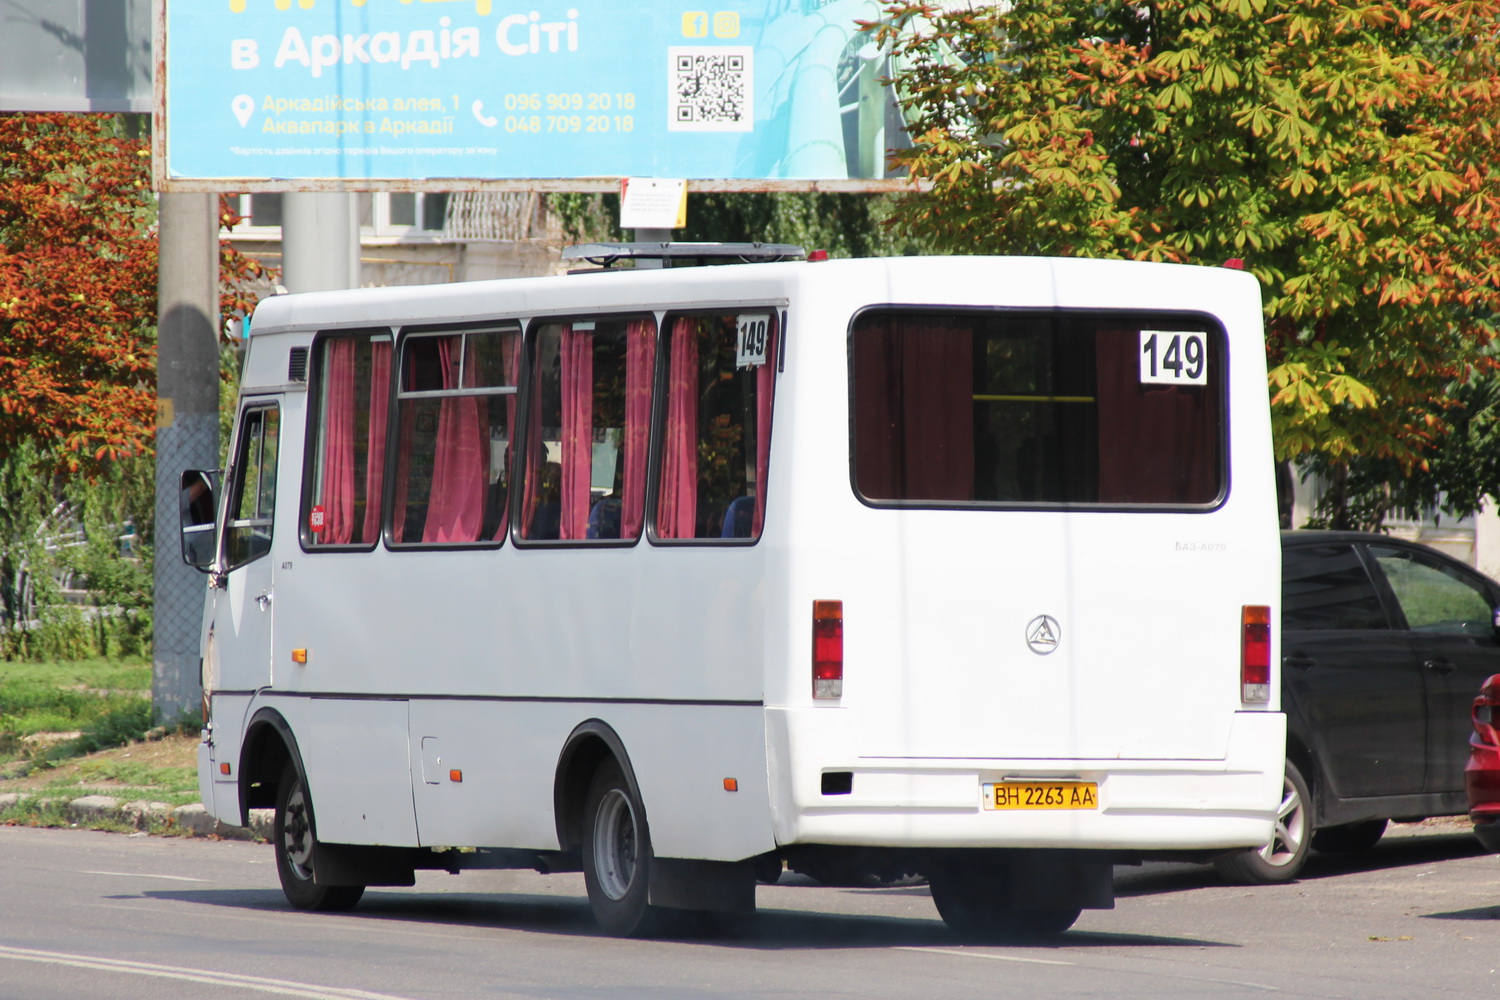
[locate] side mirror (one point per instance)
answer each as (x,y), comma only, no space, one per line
(195,504)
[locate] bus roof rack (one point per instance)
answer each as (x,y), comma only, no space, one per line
(606,255)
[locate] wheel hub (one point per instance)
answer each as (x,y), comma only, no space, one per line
(296,834)
(615,844)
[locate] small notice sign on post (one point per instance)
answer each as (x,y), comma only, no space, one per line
(653,203)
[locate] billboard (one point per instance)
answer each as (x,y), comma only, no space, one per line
(441,94)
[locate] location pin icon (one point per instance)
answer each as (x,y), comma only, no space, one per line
(244,106)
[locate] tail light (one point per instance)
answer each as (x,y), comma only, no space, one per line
(1255,653)
(828,649)
(1485,712)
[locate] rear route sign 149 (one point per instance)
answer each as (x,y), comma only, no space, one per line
(1174,357)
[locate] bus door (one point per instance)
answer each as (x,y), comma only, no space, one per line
(240,631)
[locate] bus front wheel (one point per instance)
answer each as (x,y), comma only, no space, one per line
(617,856)
(293,837)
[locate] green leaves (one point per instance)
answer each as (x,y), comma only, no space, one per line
(1345,148)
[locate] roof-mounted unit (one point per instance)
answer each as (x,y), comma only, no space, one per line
(606,255)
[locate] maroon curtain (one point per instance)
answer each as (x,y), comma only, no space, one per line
(576,372)
(1156,442)
(337,495)
(677,507)
(914,408)
(460,468)
(533,490)
(380,404)
(640,363)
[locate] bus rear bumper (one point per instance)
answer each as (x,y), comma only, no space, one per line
(1141,806)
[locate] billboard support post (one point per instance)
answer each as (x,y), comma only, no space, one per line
(320,241)
(187,435)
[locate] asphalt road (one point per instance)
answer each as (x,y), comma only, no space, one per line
(86,914)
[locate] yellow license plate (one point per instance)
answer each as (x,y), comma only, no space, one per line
(1041,795)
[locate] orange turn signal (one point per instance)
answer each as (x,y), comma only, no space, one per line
(731,784)
(299,656)
(455,775)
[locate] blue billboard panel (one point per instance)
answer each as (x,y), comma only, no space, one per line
(363,90)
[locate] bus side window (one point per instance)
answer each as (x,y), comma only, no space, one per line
(252,497)
(353,378)
(721,371)
(456,406)
(589,420)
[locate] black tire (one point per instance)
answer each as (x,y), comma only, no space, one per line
(617,856)
(293,838)
(1350,836)
(1282,858)
(971,901)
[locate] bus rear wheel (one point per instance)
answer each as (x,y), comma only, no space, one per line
(292,834)
(617,856)
(975,902)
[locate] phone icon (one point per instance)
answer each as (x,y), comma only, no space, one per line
(488,121)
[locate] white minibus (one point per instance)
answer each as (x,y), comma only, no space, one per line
(952,567)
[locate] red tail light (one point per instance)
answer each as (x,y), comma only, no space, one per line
(828,649)
(1255,653)
(1485,712)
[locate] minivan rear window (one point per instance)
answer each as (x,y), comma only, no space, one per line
(1033,408)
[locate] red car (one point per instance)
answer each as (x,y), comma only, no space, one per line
(1482,772)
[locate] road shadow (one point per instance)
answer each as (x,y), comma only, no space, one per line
(1389,854)
(1481,913)
(771,928)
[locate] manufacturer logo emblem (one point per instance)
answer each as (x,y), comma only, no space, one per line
(1043,634)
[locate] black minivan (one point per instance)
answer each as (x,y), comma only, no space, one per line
(1384,643)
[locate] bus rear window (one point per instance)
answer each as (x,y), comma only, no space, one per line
(1037,408)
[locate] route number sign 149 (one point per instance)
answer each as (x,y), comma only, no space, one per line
(1174,357)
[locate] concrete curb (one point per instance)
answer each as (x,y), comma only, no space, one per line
(152,817)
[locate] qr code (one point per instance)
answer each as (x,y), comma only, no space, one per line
(709,89)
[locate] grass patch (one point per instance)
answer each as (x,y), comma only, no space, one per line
(76,728)
(37,812)
(106,703)
(52,813)
(96,674)
(164,780)
(70,789)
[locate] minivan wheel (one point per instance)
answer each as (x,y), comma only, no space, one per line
(1281,859)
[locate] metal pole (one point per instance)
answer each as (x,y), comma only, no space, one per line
(187,435)
(319,241)
(652,236)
